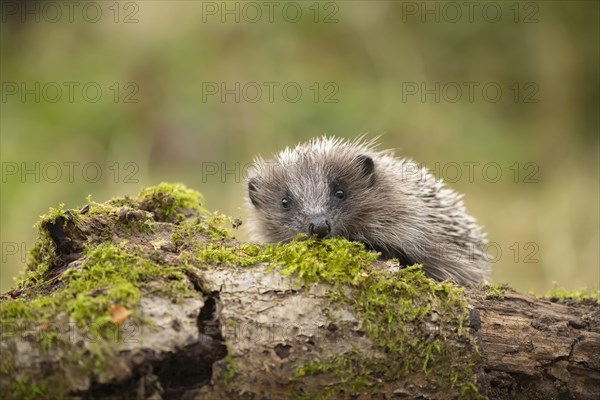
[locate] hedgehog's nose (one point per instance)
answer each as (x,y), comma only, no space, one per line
(319,226)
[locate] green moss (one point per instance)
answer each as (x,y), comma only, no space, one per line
(388,304)
(230,368)
(191,235)
(109,275)
(335,261)
(43,254)
(242,255)
(187,233)
(496,291)
(23,389)
(184,234)
(128,215)
(169,202)
(49,339)
(107,208)
(136,222)
(348,367)
(20,388)
(215,226)
(582,294)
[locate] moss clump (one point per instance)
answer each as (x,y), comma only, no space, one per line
(187,233)
(87,263)
(215,226)
(496,291)
(335,261)
(119,217)
(389,304)
(243,255)
(110,272)
(109,275)
(230,368)
(136,221)
(579,295)
(184,234)
(43,255)
(170,202)
(207,241)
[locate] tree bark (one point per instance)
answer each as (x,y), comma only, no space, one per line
(245,331)
(538,348)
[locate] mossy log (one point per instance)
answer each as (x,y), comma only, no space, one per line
(151,297)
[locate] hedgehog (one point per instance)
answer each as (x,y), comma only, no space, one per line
(331,187)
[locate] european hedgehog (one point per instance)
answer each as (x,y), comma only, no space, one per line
(332,187)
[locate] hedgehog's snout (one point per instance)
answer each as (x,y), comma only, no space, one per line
(319,226)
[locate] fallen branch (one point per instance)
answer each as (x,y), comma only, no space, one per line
(151,297)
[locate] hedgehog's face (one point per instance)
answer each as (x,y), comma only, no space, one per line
(312,195)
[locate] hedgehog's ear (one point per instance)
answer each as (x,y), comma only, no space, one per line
(366,165)
(252,191)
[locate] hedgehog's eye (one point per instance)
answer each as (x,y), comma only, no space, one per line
(285,203)
(339,193)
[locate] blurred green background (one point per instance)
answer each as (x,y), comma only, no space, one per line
(106,98)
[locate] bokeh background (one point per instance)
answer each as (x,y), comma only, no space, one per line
(106,98)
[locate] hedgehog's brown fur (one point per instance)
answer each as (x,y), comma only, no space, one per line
(390,204)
